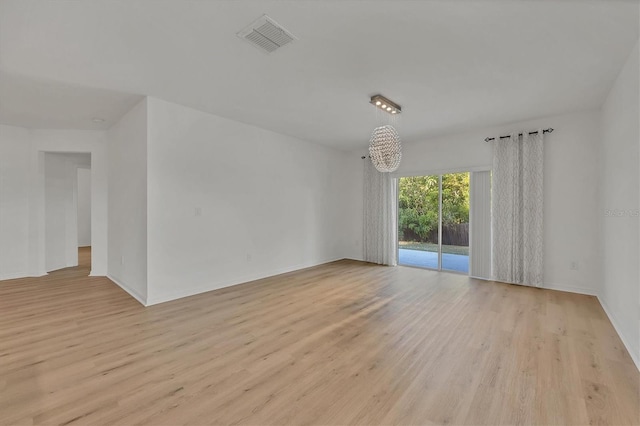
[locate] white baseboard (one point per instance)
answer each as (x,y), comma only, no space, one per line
(17,275)
(557,287)
(570,289)
(179,294)
(13,276)
(133,293)
(616,325)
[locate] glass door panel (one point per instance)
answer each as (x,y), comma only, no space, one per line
(455,222)
(418,221)
(433,221)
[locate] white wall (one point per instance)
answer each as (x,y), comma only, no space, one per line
(84,206)
(351,204)
(15,148)
(127,148)
(60,213)
(229,202)
(22,196)
(620,202)
(571,214)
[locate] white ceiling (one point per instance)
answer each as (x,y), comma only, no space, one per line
(34,103)
(452,65)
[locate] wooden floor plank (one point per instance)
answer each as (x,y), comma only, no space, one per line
(342,343)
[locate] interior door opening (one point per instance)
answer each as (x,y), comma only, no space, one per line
(67,210)
(433,221)
(84,217)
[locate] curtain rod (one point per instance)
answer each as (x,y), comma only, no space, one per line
(549,130)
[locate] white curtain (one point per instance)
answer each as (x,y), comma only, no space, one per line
(480,225)
(517,209)
(380,212)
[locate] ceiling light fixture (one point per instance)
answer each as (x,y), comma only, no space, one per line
(385,104)
(385,149)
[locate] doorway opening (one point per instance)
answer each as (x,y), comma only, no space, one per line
(84,217)
(84,260)
(67,210)
(433,221)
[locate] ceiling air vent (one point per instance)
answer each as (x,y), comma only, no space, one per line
(266,34)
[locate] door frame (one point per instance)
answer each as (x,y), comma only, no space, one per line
(439,173)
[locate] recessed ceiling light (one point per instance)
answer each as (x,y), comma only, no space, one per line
(384,106)
(97,120)
(378,103)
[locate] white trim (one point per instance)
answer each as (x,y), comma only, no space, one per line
(210,286)
(569,289)
(13,276)
(555,287)
(411,173)
(19,275)
(482,278)
(133,293)
(618,329)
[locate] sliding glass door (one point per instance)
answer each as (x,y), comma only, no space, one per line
(455,222)
(418,219)
(433,221)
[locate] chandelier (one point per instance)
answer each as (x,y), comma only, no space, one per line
(385,149)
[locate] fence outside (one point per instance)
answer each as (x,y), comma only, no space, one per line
(452,235)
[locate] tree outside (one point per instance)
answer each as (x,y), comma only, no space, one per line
(418,212)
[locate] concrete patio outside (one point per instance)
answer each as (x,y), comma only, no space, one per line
(429,259)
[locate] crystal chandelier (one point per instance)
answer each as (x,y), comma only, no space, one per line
(385,149)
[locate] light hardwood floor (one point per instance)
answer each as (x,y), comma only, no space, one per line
(342,343)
